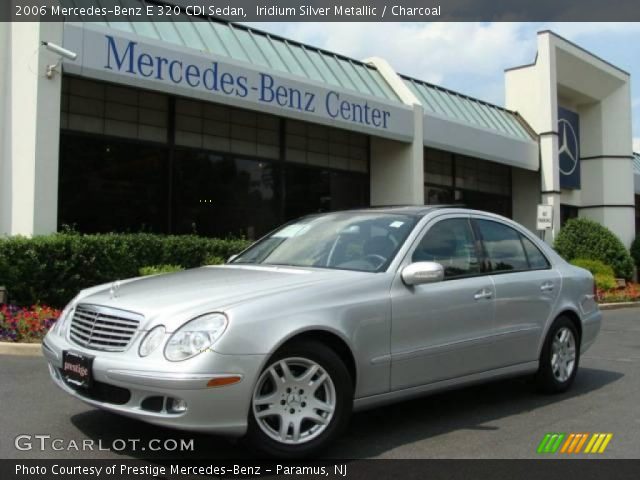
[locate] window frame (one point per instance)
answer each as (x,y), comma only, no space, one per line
(487,259)
(427,228)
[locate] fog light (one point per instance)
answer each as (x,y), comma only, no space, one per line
(176,405)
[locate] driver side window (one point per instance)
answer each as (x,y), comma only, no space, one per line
(450,243)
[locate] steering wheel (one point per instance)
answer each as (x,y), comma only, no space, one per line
(376,258)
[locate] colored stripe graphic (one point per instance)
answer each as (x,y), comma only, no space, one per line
(573,443)
(598,443)
(550,443)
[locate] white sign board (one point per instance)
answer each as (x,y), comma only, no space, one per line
(545,217)
(122,57)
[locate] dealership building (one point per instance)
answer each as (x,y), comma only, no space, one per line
(216,128)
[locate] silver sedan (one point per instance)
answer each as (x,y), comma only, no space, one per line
(330,313)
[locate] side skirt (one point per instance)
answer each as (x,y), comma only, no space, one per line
(422,390)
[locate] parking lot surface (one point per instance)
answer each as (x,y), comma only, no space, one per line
(505,419)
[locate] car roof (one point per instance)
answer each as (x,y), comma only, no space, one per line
(414,210)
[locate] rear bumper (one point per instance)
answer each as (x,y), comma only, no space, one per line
(591,324)
(134,390)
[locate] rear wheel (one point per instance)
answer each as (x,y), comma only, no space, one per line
(560,357)
(302,400)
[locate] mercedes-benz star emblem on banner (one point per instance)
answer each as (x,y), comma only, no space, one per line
(568,151)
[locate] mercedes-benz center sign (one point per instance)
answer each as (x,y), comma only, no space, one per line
(161,66)
(569,148)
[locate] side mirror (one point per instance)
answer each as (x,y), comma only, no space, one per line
(231,258)
(422,272)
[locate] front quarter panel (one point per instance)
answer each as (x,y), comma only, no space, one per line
(354,307)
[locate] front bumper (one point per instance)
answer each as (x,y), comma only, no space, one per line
(141,389)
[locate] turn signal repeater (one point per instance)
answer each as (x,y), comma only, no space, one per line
(223,381)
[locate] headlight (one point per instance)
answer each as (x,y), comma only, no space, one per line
(195,336)
(58,327)
(151,341)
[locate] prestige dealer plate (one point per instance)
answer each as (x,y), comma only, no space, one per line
(76,369)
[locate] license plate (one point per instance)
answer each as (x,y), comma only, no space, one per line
(76,369)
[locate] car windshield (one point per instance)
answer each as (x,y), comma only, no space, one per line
(360,241)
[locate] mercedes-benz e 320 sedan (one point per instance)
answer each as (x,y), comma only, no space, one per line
(330,313)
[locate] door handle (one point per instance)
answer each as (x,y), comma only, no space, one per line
(484,293)
(547,287)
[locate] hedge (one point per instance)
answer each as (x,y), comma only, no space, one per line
(584,238)
(51,269)
(603,274)
(596,267)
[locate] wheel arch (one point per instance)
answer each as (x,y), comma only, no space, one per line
(329,338)
(575,319)
(572,315)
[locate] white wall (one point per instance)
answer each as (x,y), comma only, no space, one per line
(526,196)
(600,94)
(397,170)
(5,129)
(31,130)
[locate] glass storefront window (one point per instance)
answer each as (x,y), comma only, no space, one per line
(112,186)
(487,202)
(310,190)
(567,212)
(637,214)
(437,195)
(133,160)
(438,167)
(218,195)
(472,182)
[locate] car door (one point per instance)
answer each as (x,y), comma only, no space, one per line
(526,288)
(442,330)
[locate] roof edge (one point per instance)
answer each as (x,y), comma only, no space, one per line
(584,50)
(183,4)
(454,92)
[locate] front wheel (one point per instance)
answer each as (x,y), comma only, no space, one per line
(560,357)
(301,401)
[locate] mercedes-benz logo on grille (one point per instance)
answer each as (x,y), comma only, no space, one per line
(568,152)
(113,291)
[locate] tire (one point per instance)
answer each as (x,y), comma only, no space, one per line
(556,372)
(293,402)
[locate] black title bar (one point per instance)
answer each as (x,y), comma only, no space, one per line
(547,469)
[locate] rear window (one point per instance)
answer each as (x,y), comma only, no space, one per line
(537,261)
(503,247)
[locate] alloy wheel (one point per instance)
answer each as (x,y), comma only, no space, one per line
(294,400)
(563,354)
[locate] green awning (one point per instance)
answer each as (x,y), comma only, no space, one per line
(467,110)
(245,44)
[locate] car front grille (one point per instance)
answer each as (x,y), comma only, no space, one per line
(102,328)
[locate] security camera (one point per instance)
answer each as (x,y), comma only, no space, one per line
(63,52)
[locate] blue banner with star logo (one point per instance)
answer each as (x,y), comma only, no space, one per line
(569,148)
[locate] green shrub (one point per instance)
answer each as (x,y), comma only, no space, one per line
(635,251)
(594,266)
(584,238)
(604,281)
(52,269)
(215,260)
(157,269)
(603,275)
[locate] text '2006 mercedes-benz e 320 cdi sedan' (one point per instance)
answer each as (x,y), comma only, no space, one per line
(330,313)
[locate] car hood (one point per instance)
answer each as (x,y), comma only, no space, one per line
(177,297)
